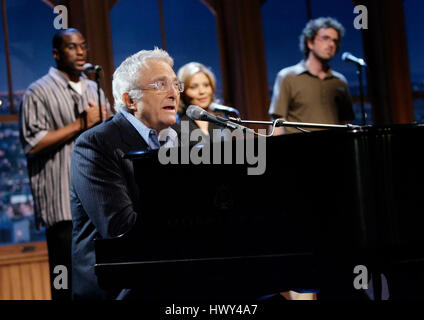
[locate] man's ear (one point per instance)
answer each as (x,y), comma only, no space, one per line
(310,43)
(129,102)
(56,54)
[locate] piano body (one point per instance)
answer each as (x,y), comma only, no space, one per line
(327,198)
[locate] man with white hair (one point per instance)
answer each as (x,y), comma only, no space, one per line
(105,197)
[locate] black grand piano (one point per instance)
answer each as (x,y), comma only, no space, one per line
(328,201)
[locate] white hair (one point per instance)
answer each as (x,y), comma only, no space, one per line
(127,75)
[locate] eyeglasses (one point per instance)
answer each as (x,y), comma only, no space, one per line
(74,46)
(163,86)
(329,39)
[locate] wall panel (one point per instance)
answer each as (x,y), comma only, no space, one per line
(24,272)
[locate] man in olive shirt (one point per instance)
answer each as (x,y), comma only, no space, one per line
(310,91)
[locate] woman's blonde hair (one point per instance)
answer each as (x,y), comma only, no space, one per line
(185,73)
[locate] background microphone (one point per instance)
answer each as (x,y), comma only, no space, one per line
(348,57)
(214,107)
(89,67)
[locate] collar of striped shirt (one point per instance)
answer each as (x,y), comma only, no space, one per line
(61,79)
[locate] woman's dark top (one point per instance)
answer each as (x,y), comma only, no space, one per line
(181,129)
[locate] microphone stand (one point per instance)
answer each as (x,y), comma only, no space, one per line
(97,78)
(361,93)
(282,123)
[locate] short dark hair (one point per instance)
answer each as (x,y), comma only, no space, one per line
(58,37)
(312,27)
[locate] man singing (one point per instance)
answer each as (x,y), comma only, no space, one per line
(55,110)
(105,198)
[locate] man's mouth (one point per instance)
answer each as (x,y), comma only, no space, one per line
(169,108)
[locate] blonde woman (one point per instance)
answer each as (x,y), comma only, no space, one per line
(199,87)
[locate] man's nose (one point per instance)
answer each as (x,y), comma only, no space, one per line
(80,51)
(173,93)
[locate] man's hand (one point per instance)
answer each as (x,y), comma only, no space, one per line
(91,115)
(55,138)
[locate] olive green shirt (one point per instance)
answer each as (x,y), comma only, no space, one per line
(299,96)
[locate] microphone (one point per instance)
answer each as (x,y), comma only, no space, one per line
(197,113)
(219,107)
(348,57)
(89,67)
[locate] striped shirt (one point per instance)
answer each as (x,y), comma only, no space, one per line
(49,104)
